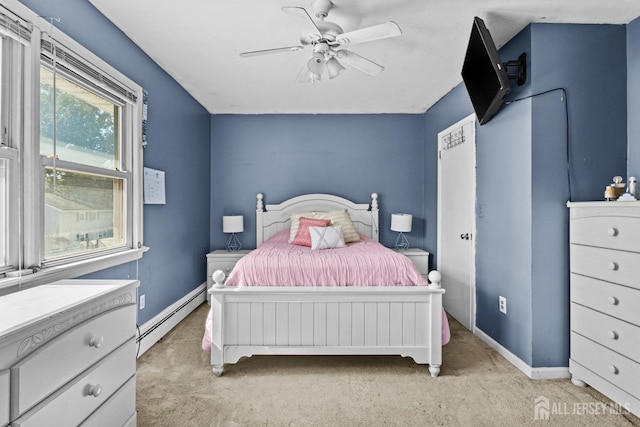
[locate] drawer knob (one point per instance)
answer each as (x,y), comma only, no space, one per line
(95,390)
(612,265)
(612,231)
(96,342)
(613,335)
(613,369)
(613,300)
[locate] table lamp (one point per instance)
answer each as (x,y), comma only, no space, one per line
(233,224)
(401,223)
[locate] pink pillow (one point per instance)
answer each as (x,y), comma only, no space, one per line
(303,236)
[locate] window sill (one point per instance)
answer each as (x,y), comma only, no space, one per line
(68,271)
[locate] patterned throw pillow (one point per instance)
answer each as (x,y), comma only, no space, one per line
(326,237)
(303,237)
(341,217)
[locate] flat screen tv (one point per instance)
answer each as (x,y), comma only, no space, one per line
(484,74)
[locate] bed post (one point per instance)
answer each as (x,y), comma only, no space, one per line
(259,212)
(217,333)
(374,217)
(436,314)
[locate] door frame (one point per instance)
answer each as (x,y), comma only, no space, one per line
(473,203)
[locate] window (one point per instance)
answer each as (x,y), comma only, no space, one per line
(80,139)
(4,187)
(4,212)
(8,164)
(70,157)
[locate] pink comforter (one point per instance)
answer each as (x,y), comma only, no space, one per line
(365,263)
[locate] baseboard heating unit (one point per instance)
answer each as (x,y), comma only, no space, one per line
(156,328)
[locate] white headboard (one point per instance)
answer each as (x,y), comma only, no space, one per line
(273,218)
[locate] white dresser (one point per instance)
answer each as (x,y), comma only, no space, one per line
(68,354)
(605,299)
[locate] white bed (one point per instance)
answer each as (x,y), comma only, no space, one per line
(352,320)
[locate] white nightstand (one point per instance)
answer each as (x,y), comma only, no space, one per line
(419,258)
(222,260)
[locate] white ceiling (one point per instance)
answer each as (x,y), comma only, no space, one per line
(198,43)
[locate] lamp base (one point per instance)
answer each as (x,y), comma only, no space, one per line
(401,241)
(233,244)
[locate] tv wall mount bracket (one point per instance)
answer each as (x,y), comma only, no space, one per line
(521,63)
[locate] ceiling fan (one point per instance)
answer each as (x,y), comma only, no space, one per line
(326,39)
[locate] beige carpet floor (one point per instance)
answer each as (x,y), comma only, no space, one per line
(476,387)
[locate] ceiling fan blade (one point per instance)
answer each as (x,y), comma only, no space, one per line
(303,17)
(359,63)
(270,51)
(376,32)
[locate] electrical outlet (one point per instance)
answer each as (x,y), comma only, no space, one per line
(502,304)
(142,301)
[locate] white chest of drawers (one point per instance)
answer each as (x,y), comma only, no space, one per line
(605,299)
(68,354)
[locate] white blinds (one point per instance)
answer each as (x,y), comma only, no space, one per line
(83,71)
(14,27)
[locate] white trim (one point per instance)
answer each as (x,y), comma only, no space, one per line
(533,373)
(156,328)
(69,270)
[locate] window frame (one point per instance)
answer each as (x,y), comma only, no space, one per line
(28,237)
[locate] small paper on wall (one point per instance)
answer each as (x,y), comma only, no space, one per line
(154,193)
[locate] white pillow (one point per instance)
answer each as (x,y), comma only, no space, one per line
(326,237)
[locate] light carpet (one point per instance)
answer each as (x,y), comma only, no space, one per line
(476,387)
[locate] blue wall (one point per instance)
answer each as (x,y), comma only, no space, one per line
(179,144)
(522,177)
(287,155)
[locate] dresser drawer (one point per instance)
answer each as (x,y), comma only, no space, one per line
(74,402)
(619,336)
(615,232)
(418,257)
(116,411)
(225,266)
(615,300)
(606,264)
(606,363)
(4,401)
(43,371)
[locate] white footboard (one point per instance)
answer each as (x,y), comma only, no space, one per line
(404,321)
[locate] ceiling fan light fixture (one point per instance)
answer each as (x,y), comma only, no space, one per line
(321,8)
(334,68)
(316,64)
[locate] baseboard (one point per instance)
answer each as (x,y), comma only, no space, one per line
(531,372)
(156,328)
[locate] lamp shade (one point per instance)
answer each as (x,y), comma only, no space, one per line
(233,224)
(334,68)
(401,222)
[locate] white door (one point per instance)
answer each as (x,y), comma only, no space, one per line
(456,219)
